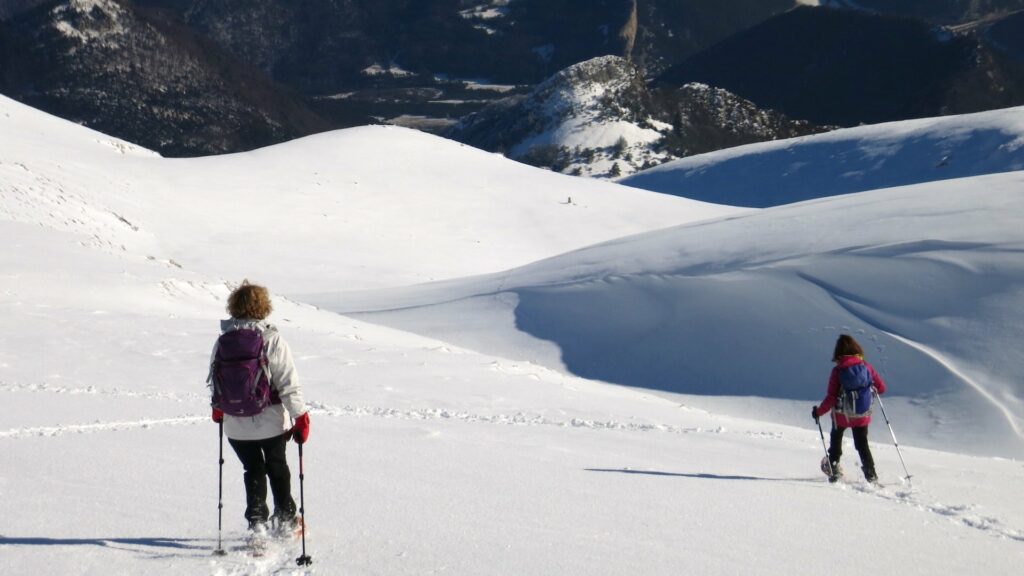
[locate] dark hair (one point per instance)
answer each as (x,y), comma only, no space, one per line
(249,301)
(846,346)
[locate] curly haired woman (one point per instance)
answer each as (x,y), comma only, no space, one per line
(251,354)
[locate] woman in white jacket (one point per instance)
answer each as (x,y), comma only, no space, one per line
(259,439)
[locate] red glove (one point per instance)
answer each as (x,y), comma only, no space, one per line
(218,416)
(300,432)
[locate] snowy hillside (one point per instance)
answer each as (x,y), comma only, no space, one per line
(329,211)
(844,161)
(930,277)
(432,455)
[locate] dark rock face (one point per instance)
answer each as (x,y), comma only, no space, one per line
(850,67)
(670,31)
(194,77)
(936,11)
(189,77)
(319,46)
(145,79)
(705,119)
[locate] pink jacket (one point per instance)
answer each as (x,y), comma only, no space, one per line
(833,393)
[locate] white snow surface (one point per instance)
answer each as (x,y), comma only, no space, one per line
(847,160)
(327,212)
(478,451)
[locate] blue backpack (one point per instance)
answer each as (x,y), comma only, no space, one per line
(855,393)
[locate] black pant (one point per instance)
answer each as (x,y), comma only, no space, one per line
(860,441)
(264,459)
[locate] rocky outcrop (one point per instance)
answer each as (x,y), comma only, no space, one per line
(599,118)
(144,79)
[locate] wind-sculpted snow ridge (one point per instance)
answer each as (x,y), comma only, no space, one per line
(927,277)
(845,161)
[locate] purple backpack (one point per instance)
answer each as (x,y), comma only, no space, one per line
(240,374)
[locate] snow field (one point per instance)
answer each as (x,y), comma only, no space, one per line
(474,446)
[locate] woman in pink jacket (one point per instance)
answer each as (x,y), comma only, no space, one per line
(849,365)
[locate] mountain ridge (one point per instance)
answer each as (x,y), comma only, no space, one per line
(599,118)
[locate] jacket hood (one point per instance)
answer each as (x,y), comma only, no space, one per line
(846,361)
(239,323)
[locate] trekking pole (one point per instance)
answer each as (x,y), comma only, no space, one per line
(821,433)
(891,433)
(303,560)
(220,494)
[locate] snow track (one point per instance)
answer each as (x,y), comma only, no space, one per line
(100,427)
(958,513)
(280,556)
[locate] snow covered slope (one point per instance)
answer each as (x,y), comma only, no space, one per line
(358,208)
(930,277)
(844,161)
(424,456)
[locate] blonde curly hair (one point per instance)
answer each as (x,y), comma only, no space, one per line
(249,301)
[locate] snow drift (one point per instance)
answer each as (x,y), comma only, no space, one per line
(845,161)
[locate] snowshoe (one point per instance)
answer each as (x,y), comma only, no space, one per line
(291,528)
(834,471)
(257,538)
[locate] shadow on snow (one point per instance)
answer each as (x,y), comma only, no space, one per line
(702,476)
(175,543)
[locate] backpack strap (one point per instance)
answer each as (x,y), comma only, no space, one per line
(275,397)
(213,362)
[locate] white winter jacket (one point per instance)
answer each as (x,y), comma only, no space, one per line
(276,419)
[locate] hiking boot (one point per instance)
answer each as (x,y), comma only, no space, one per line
(258,527)
(286,526)
(869,475)
(837,473)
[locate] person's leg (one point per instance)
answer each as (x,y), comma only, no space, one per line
(835,451)
(275,453)
(835,448)
(867,462)
(250,454)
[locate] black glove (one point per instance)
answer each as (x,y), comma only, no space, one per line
(814,413)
